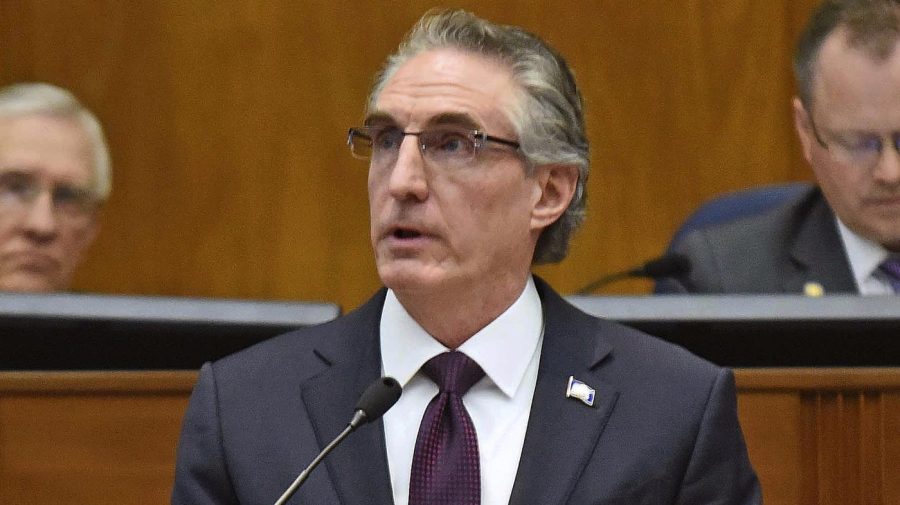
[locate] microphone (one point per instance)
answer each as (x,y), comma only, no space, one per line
(668,265)
(380,396)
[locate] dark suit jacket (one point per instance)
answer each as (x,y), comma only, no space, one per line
(776,252)
(663,428)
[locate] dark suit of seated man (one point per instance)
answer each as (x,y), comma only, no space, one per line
(478,158)
(844,238)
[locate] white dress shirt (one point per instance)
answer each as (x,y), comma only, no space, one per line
(865,256)
(508,350)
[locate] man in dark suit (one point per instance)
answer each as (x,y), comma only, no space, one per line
(844,237)
(794,248)
(477,162)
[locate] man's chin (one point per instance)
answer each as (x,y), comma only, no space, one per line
(892,243)
(23,282)
(407,277)
(885,232)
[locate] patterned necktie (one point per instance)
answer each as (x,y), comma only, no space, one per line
(445,469)
(891,269)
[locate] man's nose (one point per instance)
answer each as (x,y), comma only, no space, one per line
(39,219)
(408,179)
(887,170)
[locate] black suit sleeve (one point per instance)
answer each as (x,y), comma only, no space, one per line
(201,474)
(719,471)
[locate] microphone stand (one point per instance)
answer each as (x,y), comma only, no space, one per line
(607,279)
(380,396)
(305,473)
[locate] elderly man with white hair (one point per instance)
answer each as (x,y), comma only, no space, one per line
(54,175)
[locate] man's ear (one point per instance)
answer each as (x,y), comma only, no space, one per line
(90,232)
(803,125)
(555,188)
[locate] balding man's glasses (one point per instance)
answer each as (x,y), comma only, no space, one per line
(442,145)
(857,149)
(19,190)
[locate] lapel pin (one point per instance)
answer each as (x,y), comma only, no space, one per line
(813,289)
(581,391)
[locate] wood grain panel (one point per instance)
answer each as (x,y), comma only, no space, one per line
(91,438)
(227,121)
(772,429)
(815,436)
(890,427)
(823,436)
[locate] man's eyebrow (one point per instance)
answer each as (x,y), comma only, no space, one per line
(379,118)
(445,118)
(15,171)
(455,119)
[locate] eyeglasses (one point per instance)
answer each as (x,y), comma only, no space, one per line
(19,190)
(858,149)
(446,146)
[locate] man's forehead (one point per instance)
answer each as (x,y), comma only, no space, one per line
(43,128)
(850,80)
(447,86)
(46,146)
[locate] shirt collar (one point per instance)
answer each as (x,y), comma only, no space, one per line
(863,254)
(503,348)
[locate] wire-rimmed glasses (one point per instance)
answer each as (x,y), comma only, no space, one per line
(19,190)
(441,145)
(857,149)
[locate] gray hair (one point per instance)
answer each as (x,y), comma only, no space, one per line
(38,98)
(872,25)
(548,117)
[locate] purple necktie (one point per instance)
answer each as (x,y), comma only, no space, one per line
(891,268)
(445,469)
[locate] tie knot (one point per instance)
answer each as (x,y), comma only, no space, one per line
(453,372)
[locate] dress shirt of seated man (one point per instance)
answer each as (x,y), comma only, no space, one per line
(835,238)
(477,162)
(54,173)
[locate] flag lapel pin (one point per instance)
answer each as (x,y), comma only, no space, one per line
(580,391)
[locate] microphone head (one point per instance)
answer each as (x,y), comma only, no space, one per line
(669,265)
(378,398)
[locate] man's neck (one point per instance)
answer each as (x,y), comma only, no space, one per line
(452,316)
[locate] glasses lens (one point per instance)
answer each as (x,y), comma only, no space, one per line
(360,143)
(73,202)
(862,151)
(17,188)
(449,146)
(385,143)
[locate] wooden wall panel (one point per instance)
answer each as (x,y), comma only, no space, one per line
(227,121)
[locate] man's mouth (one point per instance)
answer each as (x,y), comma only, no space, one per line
(405,233)
(30,261)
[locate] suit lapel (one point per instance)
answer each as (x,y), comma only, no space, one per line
(562,431)
(358,467)
(818,252)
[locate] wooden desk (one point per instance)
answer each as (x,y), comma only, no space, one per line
(816,436)
(90,438)
(823,436)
